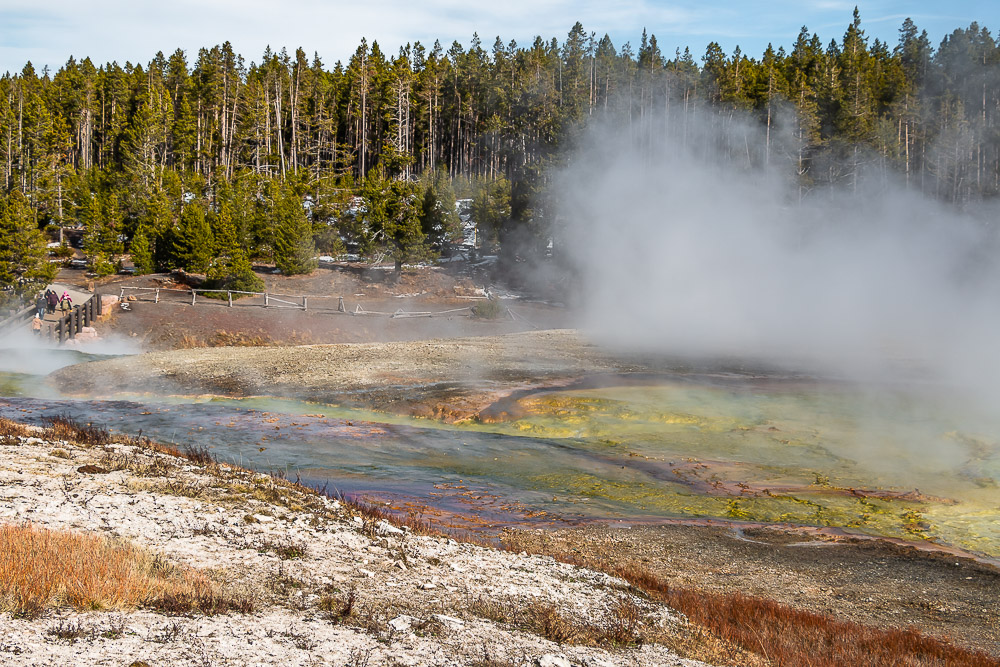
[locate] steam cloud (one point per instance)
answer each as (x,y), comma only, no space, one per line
(687,251)
(25,353)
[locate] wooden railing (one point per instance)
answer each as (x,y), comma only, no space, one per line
(16,319)
(72,323)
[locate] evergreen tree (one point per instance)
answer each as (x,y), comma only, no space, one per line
(142,252)
(403,229)
(439,219)
(24,265)
(103,237)
(192,244)
(391,219)
(230,269)
(491,208)
(156,221)
(294,250)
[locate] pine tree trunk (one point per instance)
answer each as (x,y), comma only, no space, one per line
(277,123)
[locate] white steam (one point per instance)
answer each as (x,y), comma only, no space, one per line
(684,254)
(25,353)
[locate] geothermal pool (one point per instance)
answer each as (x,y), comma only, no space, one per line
(873,459)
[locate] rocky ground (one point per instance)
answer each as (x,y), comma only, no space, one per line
(299,557)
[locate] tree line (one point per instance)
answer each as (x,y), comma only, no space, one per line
(210,164)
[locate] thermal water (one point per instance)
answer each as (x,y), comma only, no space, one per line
(880,460)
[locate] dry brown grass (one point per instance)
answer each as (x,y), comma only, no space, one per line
(12,428)
(86,435)
(285,549)
(223,338)
(787,636)
(140,464)
(11,432)
(42,568)
(782,635)
(372,514)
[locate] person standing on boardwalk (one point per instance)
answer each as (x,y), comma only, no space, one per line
(66,302)
(36,325)
(53,300)
(41,305)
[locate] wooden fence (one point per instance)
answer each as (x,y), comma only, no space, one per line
(272,300)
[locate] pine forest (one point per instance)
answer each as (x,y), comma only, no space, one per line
(209,163)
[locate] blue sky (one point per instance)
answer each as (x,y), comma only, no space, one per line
(49,32)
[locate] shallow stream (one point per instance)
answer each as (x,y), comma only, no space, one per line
(881,460)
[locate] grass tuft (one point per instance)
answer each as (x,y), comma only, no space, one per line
(199,455)
(339,608)
(69,630)
(11,432)
(491,309)
(285,549)
(621,626)
(64,427)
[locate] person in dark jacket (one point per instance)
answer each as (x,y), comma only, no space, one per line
(53,300)
(41,305)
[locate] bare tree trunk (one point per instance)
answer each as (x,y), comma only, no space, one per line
(906,148)
(267,123)
(277,122)
(294,104)
(364,114)
(197,159)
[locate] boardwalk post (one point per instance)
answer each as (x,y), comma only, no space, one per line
(156,298)
(340,305)
(230,295)
(194,295)
(265,299)
(304,306)
(86,313)
(59,330)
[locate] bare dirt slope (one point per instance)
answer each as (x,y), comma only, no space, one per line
(370,298)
